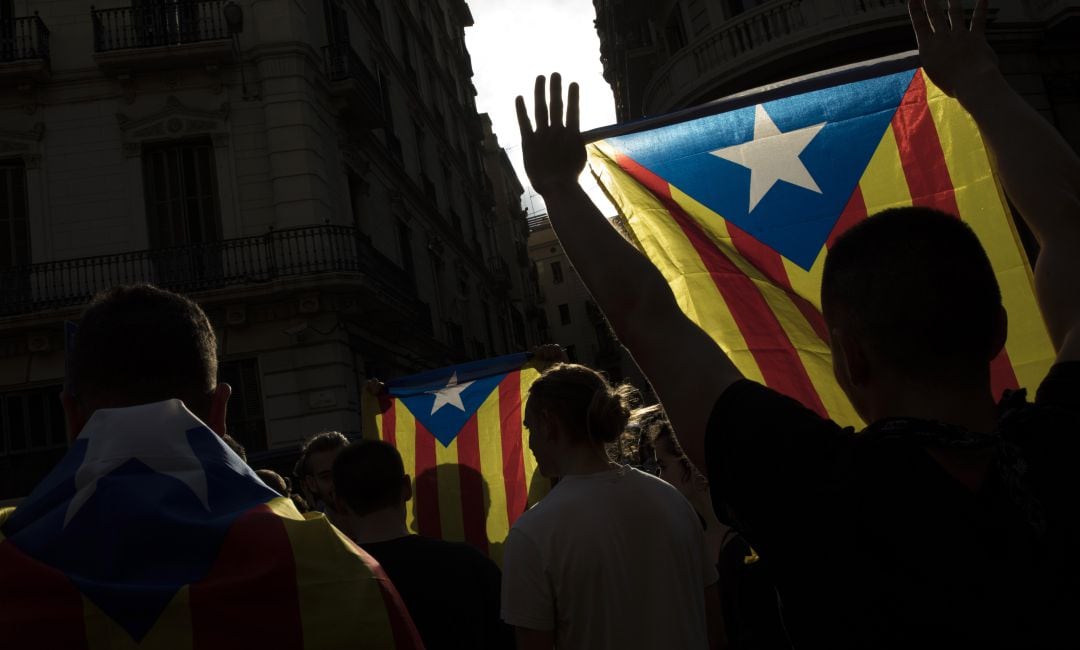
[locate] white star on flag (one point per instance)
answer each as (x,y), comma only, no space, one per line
(772,156)
(154,434)
(451,395)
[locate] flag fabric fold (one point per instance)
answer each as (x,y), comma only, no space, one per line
(151,533)
(738,209)
(460,434)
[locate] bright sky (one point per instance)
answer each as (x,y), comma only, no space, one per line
(515,40)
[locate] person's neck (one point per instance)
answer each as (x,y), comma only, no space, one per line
(379,526)
(969,404)
(585,459)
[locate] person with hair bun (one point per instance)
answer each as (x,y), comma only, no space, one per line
(612,557)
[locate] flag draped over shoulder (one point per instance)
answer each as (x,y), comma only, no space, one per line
(151,533)
(460,434)
(738,209)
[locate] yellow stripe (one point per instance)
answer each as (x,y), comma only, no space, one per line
(171,631)
(528,375)
(982,205)
(666,245)
(405,434)
(883,184)
(449,489)
(489,426)
(341,604)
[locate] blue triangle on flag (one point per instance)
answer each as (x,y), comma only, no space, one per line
(444,400)
(790,217)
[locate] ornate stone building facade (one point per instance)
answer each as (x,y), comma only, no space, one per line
(313,172)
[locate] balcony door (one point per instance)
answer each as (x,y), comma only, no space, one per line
(183,213)
(8,46)
(165,22)
(14,236)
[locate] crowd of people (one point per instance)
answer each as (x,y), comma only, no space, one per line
(950,521)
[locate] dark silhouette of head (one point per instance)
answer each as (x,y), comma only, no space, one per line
(369,476)
(910,293)
(141,344)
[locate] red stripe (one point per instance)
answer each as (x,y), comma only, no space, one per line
(253,580)
(474,498)
(388,406)
(768,261)
(517,493)
(427,484)
(39,606)
(931,186)
(853,213)
(780,365)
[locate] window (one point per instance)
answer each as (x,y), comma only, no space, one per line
(337,23)
(405,246)
(14,233)
(419,136)
(571,353)
(33,436)
(675,31)
(181,193)
(556,272)
(564,314)
(244,418)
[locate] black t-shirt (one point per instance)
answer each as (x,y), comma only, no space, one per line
(873,544)
(450,589)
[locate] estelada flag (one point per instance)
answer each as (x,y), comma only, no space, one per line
(459,431)
(150,532)
(738,202)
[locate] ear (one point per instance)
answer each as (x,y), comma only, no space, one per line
(219,406)
(1001,332)
(406,489)
(74,416)
(850,362)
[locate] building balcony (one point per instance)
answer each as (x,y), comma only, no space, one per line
(353,84)
(24,49)
(500,273)
(772,42)
(158,36)
(246,263)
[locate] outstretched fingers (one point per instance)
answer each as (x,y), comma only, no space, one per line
(978,17)
(572,109)
(956,15)
(524,125)
(919,21)
(540,109)
(556,99)
(939,22)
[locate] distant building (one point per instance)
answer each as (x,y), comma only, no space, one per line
(663,55)
(312,172)
(568,312)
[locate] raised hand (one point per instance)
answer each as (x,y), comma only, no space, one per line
(955,55)
(554,153)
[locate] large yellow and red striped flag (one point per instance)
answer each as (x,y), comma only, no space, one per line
(738,203)
(151,533)
(459,431)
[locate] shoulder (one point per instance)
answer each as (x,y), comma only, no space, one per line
(1061,387)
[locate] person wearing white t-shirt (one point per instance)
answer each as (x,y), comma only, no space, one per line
(612,557)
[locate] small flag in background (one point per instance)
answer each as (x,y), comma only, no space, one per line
(459,431)
(738,203)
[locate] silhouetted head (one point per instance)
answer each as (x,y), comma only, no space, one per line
(910,294)
(140,344)
(370,476)
(314,469)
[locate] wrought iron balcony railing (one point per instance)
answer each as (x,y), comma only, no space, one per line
(23,39)
(159,24)
(276,255)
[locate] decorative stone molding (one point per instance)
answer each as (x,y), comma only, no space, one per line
(175,120)
(24,144)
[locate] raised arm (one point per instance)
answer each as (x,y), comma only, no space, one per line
(1039,170)
(686,368)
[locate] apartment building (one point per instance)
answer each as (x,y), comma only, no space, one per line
(313,172)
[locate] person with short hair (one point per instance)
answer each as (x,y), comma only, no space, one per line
(950,521)
(450,588)
(150,528)
(314,471)
(611,557)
